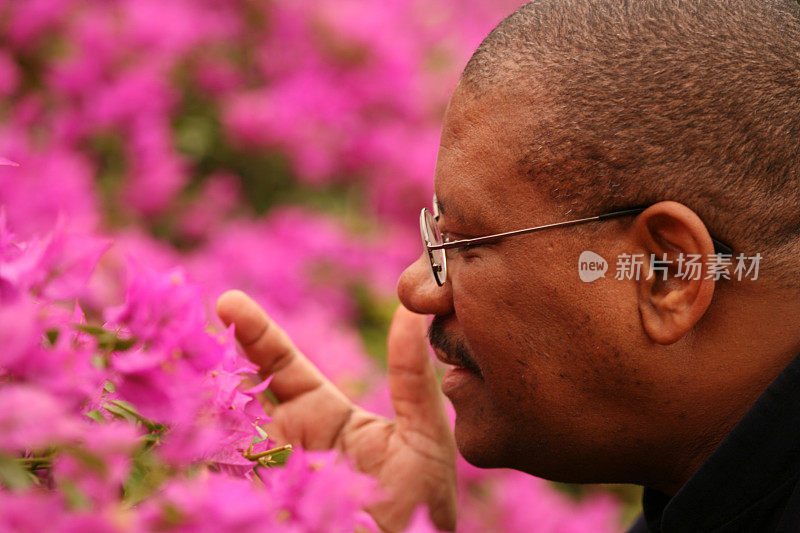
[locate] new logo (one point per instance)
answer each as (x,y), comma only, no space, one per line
(591,266)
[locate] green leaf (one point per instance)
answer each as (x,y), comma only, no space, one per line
(121,345)
(107,340)
(96,415)
(52,336)
(88,460)
(271,396)
(150,440)
(75,497)
(276,458)
(91,330)
(109,387)
(13,473)
(146,477)
(122,414)
(100,360)
(374,313)
(123,409)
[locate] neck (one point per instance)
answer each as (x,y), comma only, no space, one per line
(744,344)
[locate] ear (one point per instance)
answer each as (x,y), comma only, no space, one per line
(672,299)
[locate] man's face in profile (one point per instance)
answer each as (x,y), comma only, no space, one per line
(550,387)
(605,379)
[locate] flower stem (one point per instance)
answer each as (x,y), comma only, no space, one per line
(259,455)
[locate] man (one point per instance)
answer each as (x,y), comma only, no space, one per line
(683,120)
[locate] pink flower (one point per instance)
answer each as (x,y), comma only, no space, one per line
(55,268)
(317,491)
(420,522)
(21,328)
(47,186)
(104,463)
(31,418)
(162,309)
(210,503)
(527,503)
(39,510)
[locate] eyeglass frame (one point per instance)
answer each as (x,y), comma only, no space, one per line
(720,248)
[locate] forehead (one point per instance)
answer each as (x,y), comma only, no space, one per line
(478,173)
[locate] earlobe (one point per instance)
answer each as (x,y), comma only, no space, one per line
(668,317)
(672,296)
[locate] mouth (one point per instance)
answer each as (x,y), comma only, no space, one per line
(458,375)
(449,350)
(455,362)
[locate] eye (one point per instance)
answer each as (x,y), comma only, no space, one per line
(450,237)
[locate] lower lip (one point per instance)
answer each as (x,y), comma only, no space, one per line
(455,377)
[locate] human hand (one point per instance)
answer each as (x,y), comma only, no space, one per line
(412,456)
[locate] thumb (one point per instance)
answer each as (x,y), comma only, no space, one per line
(412,380)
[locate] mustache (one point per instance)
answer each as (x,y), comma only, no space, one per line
(454,349)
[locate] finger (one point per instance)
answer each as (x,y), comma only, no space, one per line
(412,379)
(268,346)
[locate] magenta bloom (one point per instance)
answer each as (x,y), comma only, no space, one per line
(162,309)
(318,491)
(100,474)
(31,418)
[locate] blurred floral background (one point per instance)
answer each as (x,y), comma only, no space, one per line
(169,150)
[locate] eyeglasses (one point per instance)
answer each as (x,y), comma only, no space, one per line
(434,244)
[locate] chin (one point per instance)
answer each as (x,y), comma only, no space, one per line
(478,446)
(486,445)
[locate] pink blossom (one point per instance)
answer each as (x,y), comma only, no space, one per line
(30,19)
(161,308)
(21,329)
(9,75)
(210,503)
(216,199)
(31,418)
(39,510)
(528,503)
(420,522)
(56,267)
(316,491)
(46,186)
(103,464)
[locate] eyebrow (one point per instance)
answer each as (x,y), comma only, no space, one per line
(449,211)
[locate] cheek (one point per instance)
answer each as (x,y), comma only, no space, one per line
(513,300)
(528,331)
(494,315)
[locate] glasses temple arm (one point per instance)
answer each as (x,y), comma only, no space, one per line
(719,247)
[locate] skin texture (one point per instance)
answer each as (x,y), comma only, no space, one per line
(611,381)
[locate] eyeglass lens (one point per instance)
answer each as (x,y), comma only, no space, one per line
(433,237)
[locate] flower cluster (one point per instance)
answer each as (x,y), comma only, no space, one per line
(160,153)
(145,406)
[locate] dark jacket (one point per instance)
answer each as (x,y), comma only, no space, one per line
(751,482)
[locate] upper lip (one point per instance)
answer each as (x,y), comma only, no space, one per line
(446,359)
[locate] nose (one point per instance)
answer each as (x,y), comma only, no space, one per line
(419,292)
